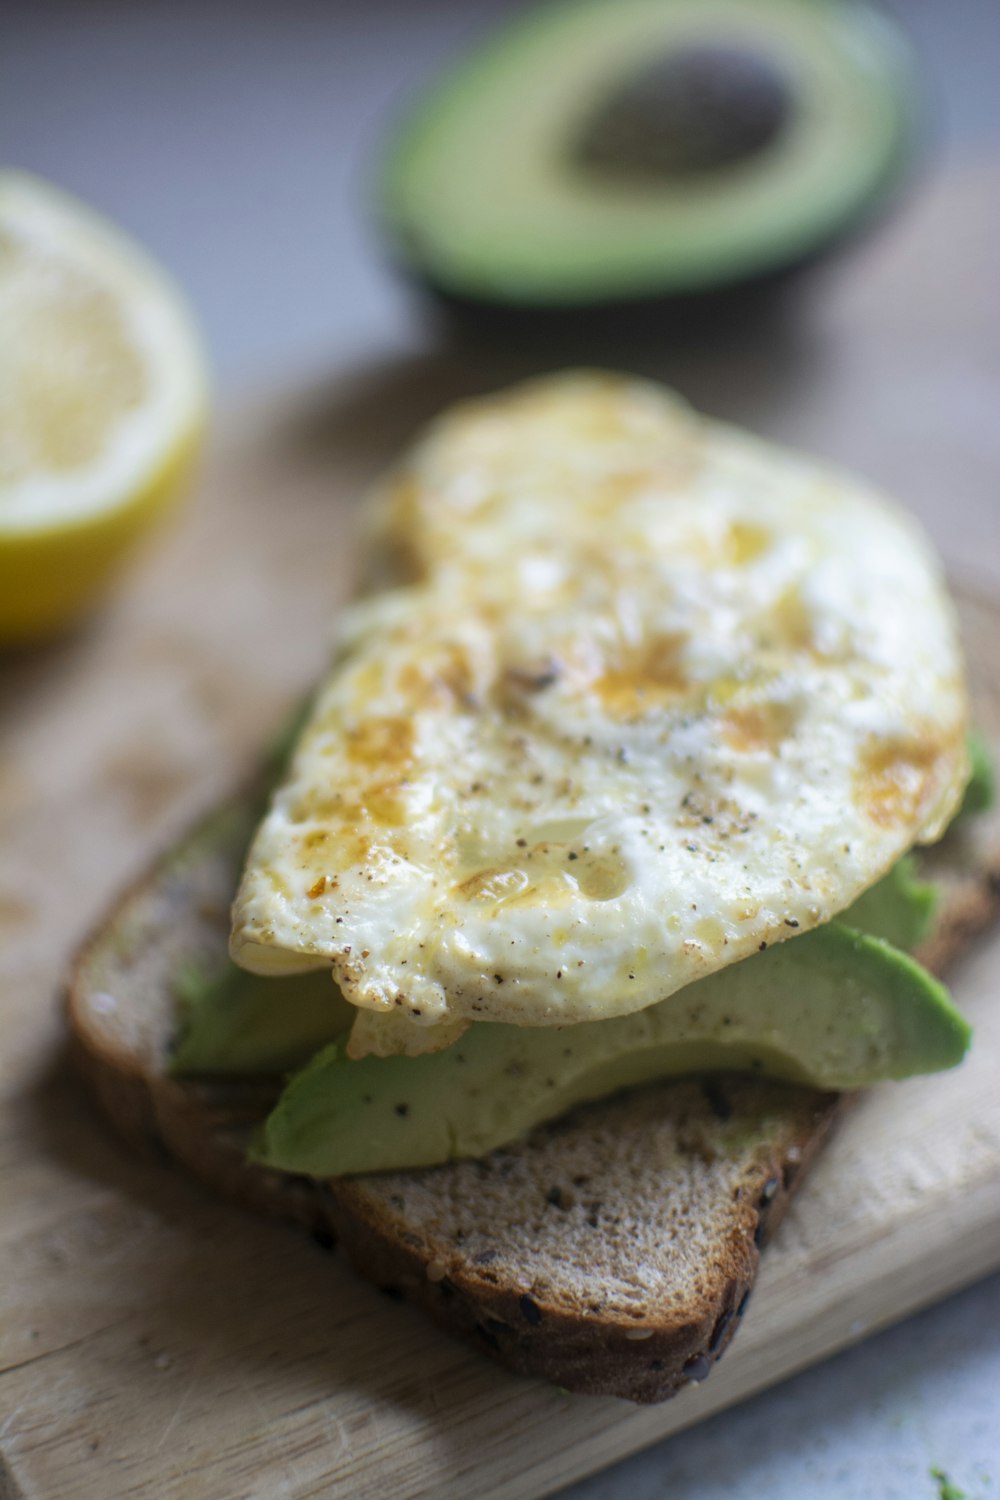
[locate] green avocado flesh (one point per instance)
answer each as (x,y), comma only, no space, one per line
(981,788)
(834,1009)
(240,1023)
(596,153)
(899,908)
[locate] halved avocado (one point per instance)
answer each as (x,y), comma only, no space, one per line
(597,154)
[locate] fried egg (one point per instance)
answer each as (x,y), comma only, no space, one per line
(636,696)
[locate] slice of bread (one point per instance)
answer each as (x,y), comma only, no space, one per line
(611,1252)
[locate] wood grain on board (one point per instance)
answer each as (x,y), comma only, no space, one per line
(155,1342)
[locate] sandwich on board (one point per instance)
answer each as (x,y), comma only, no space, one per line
(588,888)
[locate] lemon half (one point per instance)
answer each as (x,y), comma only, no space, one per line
(103,398)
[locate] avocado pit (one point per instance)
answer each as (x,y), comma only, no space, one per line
(693,110)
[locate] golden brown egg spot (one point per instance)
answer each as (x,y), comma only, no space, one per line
(899,779)
(758,726)
(745,542)
(380,741)
(493,886)
(648,676)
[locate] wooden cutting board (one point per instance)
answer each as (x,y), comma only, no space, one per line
(154,1342)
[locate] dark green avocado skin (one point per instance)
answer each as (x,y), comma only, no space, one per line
(647,317)
(652,306)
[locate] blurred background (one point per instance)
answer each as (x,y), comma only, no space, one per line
(238,141)
(241,143)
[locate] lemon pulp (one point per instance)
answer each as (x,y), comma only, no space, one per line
(102,401)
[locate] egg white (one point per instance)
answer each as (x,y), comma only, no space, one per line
(639,695)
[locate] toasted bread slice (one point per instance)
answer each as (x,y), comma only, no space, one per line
(611,1252)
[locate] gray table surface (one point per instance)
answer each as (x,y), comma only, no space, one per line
(235,139)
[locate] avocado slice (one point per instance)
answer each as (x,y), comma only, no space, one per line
(239,1023)
(834,1009)
(594,154)
(899,908)
(981,789)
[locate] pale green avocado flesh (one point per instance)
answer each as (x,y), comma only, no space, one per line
(899,908)
(240,1023)
(980,790)
(597,152)
(834,1009)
